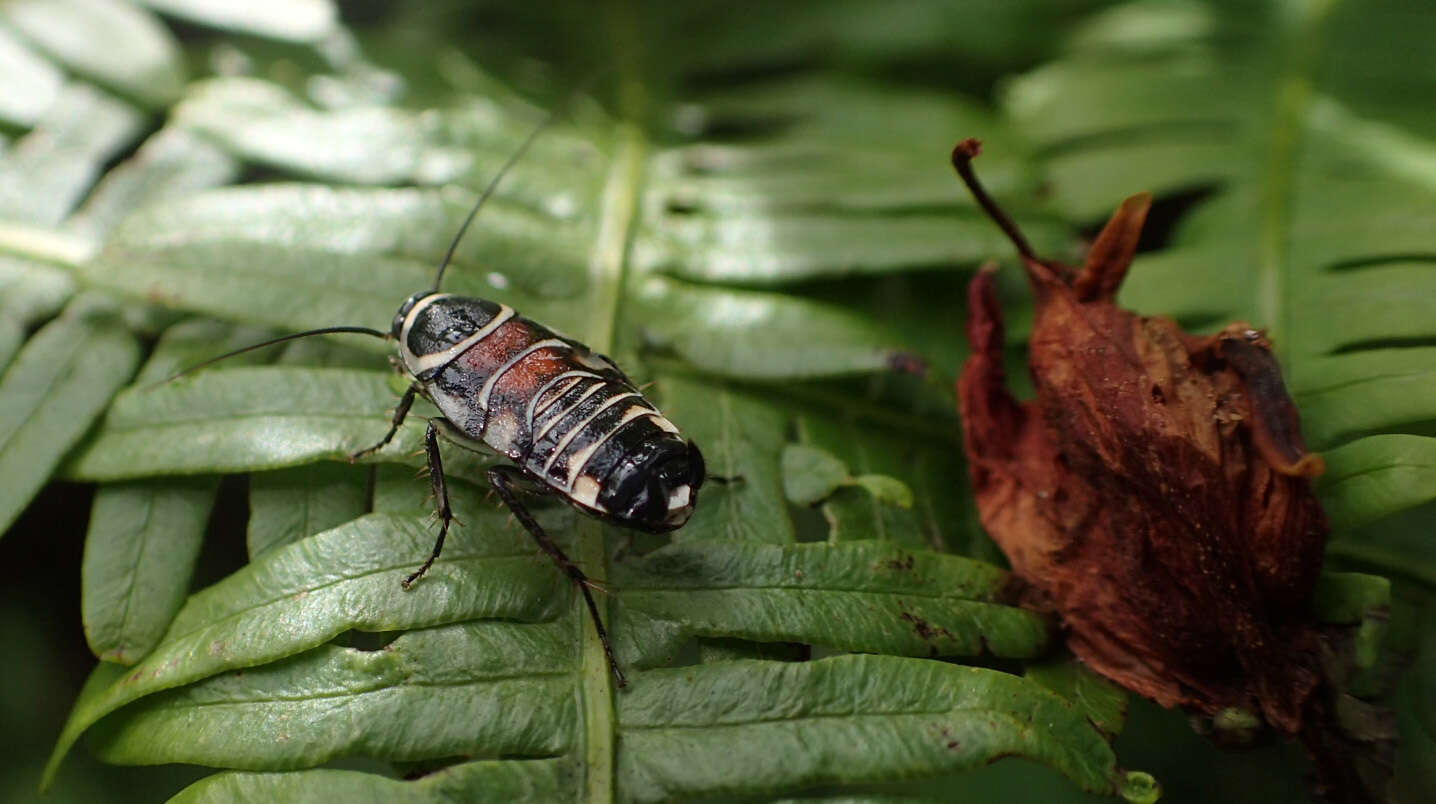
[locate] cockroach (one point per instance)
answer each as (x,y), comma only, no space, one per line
(573,424)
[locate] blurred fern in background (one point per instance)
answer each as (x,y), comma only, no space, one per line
(751,209)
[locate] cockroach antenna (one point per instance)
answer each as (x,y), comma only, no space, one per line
(271,342)
(490,189)
(508,164)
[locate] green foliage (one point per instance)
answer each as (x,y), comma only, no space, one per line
(61,380)
(139,559)
(762,223)
(811,475)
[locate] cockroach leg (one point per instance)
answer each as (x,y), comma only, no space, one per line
(400,413)
(502,479)
(440,489)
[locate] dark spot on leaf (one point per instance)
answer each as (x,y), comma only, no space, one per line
(922,627)
(926,630)
(947,738)
(900,564)
(681,206)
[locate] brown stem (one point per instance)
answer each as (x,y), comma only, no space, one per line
(962,156)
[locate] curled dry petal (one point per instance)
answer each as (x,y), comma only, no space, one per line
(1155,493)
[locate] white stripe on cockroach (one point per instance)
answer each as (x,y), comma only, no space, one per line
(569,419)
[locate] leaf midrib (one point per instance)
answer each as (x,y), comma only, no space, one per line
(638,590)
(398,567)
(1318,390)
(131,591)
(854,715)
(75,347)
(376,689)
(618,208)
(1377,469)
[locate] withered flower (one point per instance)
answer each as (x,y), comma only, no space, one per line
(1155,495)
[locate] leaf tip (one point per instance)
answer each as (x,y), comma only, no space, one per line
(1139,788)
(52,767)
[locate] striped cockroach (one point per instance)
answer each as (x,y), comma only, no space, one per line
(569,419)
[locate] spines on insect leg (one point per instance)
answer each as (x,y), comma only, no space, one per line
(440,488)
